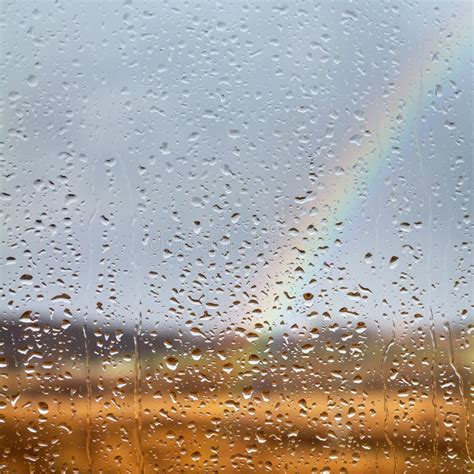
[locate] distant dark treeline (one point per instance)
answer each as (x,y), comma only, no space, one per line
(75,339)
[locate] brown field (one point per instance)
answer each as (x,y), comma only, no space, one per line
(217,433)
(236,408)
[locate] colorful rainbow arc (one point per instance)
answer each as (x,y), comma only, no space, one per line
(362,167)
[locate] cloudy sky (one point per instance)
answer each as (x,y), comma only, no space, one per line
(156,158)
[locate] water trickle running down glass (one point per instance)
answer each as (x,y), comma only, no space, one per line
(236,236)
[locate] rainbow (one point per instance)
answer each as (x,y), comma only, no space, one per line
(389,120)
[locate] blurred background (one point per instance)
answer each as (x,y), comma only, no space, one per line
(236,237)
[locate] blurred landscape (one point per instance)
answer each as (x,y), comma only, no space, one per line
(300,402)
(236,236)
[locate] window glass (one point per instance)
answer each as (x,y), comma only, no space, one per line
(236,236)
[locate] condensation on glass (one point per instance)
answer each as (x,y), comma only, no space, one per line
(236,236)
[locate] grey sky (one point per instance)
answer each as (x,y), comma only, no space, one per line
(173,139)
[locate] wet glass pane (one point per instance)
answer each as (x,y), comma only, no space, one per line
(236,236)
